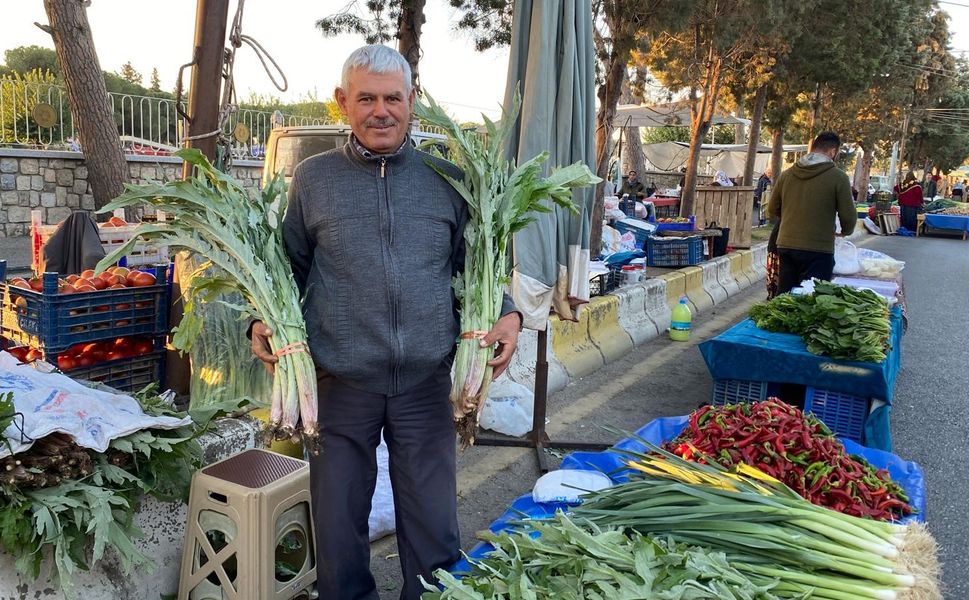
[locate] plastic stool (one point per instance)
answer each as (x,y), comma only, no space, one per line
(249,534)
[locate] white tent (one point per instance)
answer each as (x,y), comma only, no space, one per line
(729,158)
(674,114)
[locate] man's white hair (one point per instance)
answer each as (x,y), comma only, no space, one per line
(377,59)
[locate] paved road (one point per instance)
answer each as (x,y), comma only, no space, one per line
(664,378)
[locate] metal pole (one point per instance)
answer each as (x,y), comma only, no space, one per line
(211,21)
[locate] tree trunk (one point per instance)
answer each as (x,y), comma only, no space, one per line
(738,129)
(760,100)
(701,113)
(777,152)
(409,26)
(865,176)
(608,94)
(632,143)
(90,104)
(816,111)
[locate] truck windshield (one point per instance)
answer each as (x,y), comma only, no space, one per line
(290,151)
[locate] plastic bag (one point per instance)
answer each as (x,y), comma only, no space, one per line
(845,258)
(381,521)
(509,408)
(566,485)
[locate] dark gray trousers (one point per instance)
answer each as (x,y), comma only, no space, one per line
(419,431)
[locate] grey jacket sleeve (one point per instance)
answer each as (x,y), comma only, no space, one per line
(299,244)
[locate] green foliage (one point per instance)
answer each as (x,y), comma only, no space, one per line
(722,134)
(77,521)
(19,94)
(130,74)
(488,22)
(24,59)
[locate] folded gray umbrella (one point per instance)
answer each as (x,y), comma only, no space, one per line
(73,247)
(553,63)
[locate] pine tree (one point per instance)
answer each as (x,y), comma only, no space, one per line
(155,81)
(130,74)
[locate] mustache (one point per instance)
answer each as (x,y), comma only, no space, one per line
(388,122)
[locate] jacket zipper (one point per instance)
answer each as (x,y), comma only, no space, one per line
(395,287)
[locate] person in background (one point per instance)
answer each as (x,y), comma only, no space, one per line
(932,185)
(910,201)
(762,182)
(958,190)
(721,179)
(633,186)
(804,202)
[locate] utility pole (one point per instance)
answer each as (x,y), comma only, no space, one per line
(211,20)
(901,147)
(204,101)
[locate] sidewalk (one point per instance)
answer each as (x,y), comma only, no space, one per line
(16,251)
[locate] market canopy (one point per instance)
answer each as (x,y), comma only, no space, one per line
(673,114)
(729,158)
(552,61)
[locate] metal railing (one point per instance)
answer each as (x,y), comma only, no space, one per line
(147,125)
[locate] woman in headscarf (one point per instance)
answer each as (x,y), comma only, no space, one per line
(910,201)
(721,179)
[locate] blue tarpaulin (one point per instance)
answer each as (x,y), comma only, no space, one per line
(955,222)
(906,474)
(747,352)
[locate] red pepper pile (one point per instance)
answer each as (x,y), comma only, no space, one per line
(796,449)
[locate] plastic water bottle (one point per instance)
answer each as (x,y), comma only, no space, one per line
(682,320)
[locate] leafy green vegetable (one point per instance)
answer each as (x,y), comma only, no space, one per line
(567,562)
(502,198)
(836,321)
(8,413)
(212,216)
(77,521)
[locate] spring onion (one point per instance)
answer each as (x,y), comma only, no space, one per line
(211,215)
(501,199)
(766,529)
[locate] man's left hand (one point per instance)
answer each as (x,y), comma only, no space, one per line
(505,334)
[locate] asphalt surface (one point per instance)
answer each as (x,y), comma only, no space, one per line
(664,378)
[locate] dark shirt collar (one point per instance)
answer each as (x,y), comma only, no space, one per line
(371,155)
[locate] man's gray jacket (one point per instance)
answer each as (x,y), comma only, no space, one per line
(374,242)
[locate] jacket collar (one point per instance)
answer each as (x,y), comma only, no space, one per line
(358,152)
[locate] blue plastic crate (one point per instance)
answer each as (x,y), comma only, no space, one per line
(674,251)
(732,391)
(125,374)
(52,322)
(641,235)
(691,226)
(843,414)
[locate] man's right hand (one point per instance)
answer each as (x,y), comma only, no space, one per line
(261,348)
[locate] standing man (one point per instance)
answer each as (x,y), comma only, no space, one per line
(805,201)
(762,182)
(375,236)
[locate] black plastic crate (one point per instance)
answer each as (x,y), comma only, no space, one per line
(601,285)
(52,322)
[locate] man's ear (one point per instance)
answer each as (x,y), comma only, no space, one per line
(341,99)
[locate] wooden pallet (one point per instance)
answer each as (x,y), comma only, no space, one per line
(888,222)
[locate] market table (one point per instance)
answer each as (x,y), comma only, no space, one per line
(954,223)
(670,205)
(747,352)
(909,475)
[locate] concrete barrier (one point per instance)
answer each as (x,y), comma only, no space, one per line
(731,286)
(657,303)
(737,270)
(675,286)
(573,347)
(633,315)
(711,281)
(604,329)
(522,366)
(699,298)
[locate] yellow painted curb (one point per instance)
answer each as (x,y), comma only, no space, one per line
(737,269)
(694,288)
(573,348)
(604,329)
(675,286)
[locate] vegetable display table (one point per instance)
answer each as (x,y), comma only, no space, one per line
(666,206)
(950,223)
(746,352)
(909,475)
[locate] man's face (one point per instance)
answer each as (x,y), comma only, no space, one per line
(632,176)
(378,108)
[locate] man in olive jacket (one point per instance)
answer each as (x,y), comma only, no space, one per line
(804,203)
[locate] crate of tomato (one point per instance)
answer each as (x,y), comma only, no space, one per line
(51,313)
(125,363)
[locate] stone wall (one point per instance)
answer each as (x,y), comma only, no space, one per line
(56,183)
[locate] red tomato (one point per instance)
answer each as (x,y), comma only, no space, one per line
(72,278)
(33,354)
(85,361)
(88,274)
(121,271)
(99,284)
(20,353)
(36,284)
(66,363)
(143,346)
